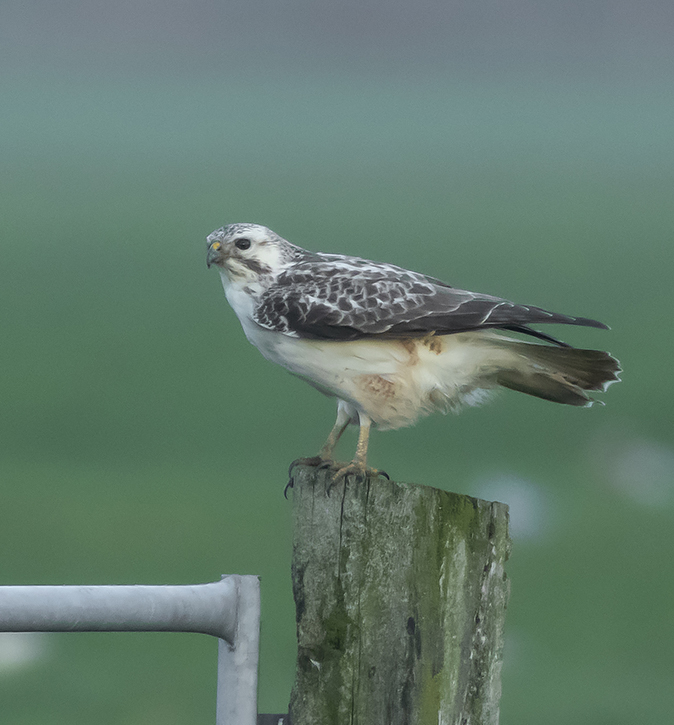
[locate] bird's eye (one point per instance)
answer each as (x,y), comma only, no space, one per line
(242,243)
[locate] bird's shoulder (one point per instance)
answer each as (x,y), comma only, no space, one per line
(320,270)
(338,296)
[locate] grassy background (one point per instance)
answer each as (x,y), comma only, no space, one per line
(144,441)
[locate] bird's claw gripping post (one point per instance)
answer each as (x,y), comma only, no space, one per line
(314,461)
(356,470)
(344,470)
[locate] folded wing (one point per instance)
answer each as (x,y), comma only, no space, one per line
(339,298)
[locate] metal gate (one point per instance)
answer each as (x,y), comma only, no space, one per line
(228,609)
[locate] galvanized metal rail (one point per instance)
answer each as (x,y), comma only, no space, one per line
(228,609)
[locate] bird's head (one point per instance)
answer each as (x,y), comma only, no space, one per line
(247,252)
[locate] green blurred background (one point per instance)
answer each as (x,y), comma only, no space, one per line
(519,148)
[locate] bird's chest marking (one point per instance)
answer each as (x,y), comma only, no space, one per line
(431,342)
(376,386)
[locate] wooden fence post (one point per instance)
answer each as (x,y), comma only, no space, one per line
(401,594)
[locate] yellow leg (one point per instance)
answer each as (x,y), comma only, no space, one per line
(358,465)
(338,428)
(360,459)
(324,458)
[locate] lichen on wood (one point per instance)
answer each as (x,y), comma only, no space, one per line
(400,594)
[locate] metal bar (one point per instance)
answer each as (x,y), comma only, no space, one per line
(228,609)
(238,662)
(205,608)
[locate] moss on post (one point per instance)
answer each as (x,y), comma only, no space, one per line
(401,595)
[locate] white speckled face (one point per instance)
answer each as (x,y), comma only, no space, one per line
(247,252)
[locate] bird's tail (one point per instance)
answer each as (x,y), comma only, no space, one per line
(561,374)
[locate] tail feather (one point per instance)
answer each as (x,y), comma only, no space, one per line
(561,374)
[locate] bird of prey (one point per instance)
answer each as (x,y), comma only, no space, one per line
(391,344)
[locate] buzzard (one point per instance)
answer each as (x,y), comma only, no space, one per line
(391,344)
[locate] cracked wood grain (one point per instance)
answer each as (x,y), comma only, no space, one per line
(400,594)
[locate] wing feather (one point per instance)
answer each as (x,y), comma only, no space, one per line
(333,297)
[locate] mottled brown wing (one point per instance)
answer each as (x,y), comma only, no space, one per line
(337,299)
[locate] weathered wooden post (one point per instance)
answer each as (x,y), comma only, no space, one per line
(401,595)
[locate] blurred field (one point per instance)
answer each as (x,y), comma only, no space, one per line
(144,441)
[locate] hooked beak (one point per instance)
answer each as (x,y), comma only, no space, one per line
(215,254)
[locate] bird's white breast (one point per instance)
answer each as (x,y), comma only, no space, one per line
(275,346)
(241,301)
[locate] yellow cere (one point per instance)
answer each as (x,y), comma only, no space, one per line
(216,245)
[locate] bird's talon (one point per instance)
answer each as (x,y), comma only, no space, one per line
(343,471)
(356,471)
(314,461)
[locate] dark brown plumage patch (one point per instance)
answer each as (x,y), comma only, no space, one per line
(255,266)
(433,343)
(411,347)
